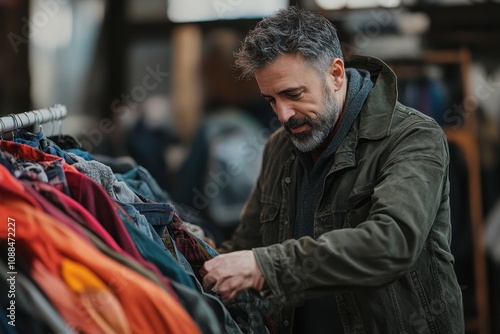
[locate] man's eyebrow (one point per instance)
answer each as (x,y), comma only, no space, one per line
(286,91)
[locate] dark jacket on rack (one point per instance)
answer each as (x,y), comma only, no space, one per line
(381,240)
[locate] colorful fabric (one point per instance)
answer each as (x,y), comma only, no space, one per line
(28,153)
(41,238)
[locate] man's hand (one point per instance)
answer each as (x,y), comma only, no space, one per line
(229,274)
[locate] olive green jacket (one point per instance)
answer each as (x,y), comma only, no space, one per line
(382,229)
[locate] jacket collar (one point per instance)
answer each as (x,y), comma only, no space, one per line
(376,115)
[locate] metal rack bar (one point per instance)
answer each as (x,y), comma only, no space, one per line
(39,116)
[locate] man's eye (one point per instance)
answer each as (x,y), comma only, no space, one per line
(294,96)
(271,101)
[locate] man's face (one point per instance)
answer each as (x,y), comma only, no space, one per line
(302,99)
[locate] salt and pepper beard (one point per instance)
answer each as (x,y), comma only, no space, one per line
(321,127)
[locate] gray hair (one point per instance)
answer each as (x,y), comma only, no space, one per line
(289,31)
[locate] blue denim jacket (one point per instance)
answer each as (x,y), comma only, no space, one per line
(140,181)
(42,143)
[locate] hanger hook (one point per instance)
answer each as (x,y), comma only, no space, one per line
(20,121)
(3,129)
(28,117)
(51,120)
(39,119)
(54,118)
(14,121)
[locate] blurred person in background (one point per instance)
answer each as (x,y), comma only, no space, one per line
(226,153)
(152,136)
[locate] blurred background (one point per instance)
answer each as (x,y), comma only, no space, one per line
(150,83)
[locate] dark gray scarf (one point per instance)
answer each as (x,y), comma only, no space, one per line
(311,177)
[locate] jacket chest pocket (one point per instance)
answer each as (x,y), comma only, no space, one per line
(330,221)
(360,203)
(269,218)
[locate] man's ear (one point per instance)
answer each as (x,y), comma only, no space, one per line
(336,73)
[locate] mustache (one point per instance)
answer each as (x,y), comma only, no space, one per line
(294,122)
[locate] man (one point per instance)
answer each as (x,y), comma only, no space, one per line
(348,226)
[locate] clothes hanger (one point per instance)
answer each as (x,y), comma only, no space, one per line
(16,125)
(3,129)
(27,116)
(52,121)
(19,126)
(55,132)
(22,124)
(37,114)
(1,134)
(64,141)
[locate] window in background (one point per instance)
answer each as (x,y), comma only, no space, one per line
(351,4)
(196,10)
(63,41)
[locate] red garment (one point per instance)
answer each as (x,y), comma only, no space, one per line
(189,246)
(97,202)
(67,211)
(25,152)
(39,237)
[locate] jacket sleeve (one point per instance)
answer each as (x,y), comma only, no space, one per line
(409,190)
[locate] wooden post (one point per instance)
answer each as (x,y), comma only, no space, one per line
(186,81)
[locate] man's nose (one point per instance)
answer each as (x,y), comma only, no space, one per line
(284,111)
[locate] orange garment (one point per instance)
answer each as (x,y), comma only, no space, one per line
(38,237)
(97,299)
(69,306)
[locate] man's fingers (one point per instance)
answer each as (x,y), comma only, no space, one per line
(230,274)
(229,288)
(209,282)
(227,298)
(211,264)
(210,278)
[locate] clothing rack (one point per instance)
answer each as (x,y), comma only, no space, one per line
(39,116)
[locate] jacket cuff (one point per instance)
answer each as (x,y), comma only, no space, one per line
(283,286)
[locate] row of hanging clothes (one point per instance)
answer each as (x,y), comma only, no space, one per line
(89,250)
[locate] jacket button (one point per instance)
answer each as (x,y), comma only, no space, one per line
(287,180)
(286,323)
